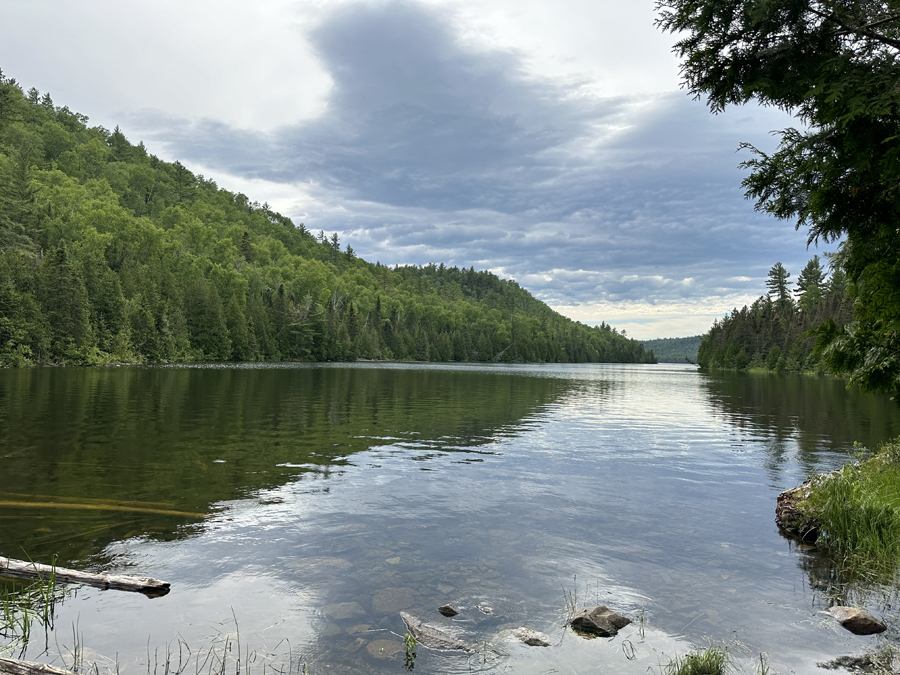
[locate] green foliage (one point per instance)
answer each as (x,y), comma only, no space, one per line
(109,254)
(409,648)
(857,511)
(709,661)
(775,334)
(835,65)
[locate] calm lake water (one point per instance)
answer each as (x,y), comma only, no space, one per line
(301,507)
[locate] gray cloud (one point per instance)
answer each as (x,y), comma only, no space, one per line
(413,120)
(434,152)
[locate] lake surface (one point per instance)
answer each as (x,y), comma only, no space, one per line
(297,509)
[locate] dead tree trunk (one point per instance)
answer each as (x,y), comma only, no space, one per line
(30,570)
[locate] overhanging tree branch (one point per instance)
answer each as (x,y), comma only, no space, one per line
(865,31)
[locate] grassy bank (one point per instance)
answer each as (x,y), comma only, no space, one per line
(857,510)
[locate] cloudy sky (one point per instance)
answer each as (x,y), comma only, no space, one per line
(546,141)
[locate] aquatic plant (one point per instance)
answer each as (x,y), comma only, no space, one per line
(226,653)
(24,605)
(709,661)
(571,599)
(409,644)
(641,621)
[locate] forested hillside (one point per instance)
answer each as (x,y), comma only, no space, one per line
(108,254)
(674,350)
(773,332)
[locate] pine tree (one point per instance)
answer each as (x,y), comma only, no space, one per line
(64,301)
(777,283)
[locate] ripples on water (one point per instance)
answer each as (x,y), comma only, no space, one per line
(337,496)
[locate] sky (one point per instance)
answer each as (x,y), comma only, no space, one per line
(549,142)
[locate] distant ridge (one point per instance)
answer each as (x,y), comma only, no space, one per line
(674,350)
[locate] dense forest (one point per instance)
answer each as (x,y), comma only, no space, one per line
(674,350)
(777,332)
(108,254)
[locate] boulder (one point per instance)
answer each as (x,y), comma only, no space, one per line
(532,638)
(601,621)
(432,637)
(448,610)
(857,621)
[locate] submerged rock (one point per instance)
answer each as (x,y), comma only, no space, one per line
(384,649)
(601,621)
(431,636)
(448,610)
(343,610)
(392,600)
(529,636)
(857,621)
(879,662)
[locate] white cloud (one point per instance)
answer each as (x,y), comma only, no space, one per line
(644,321)
(244,64)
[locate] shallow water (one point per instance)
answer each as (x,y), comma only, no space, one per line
(311,504)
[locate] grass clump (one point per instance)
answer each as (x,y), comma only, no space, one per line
(709,661)
(857,510)
(24,605)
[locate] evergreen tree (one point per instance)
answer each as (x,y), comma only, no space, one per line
(809,285)
(64,302)
(777,283)
(246,248)
(121,148)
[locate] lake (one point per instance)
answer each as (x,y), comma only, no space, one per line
(296,509)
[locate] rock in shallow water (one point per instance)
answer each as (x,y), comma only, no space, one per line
(392,600)
(601,621)
(530,637)
(432,637)
(343,610)
(384,649)
(857,621)
(448,610)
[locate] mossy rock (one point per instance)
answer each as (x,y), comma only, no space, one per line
(792,518)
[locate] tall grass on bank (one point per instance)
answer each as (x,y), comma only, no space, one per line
(858,511)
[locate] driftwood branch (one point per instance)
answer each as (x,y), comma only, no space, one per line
(30,570)
(16,667)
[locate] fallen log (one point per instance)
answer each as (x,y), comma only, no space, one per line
(31,570)
(16,667)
